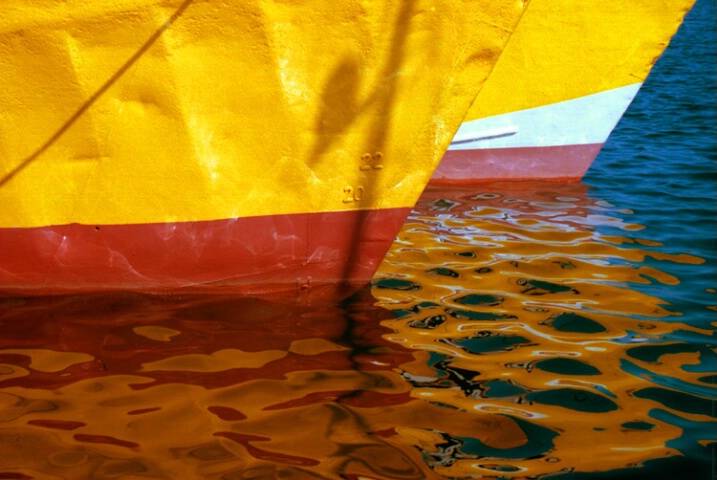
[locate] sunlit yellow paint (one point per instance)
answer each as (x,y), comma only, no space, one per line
(564,49)
(142,111)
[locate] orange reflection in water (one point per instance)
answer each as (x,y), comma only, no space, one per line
(506,344)
(521,309)
(133,386)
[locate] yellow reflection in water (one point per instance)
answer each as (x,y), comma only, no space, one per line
(133,386)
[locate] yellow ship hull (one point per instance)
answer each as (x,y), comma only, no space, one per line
(560,87)
(260,146)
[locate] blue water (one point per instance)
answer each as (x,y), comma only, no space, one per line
(661,160)
(661,164)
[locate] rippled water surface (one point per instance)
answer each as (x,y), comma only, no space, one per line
(555,314)
(514,330)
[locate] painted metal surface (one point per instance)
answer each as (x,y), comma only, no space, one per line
(149,118)
(557,141)
(563,163)
(578,121)
(565,78)
(299,256)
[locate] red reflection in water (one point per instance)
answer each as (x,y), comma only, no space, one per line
(227,413)
(57,424)
(245,441)
(105,439)
(105,328)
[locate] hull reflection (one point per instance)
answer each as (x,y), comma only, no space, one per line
(527,305)
(110,386)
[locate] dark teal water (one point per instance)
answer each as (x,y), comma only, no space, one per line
(661,160)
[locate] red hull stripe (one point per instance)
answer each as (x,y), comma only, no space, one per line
(330,252)
(563,163)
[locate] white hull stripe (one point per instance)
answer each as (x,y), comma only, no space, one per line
(584,120)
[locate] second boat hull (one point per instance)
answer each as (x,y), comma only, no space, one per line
(558,141)
(560,87)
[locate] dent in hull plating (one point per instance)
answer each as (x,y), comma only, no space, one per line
(215,143)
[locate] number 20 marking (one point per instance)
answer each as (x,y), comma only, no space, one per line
(353,195)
